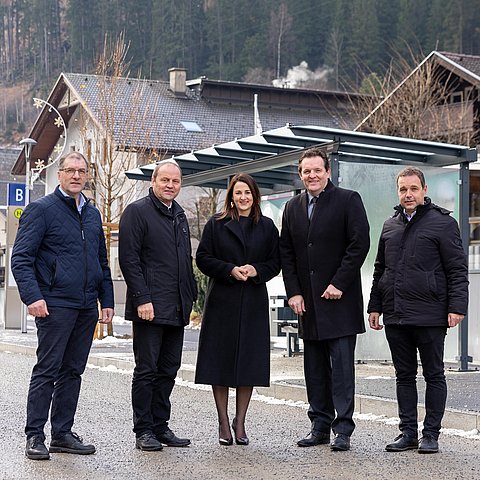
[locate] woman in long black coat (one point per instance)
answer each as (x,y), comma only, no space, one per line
(239,252)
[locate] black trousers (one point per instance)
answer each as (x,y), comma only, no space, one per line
(404,343)
(64,340)
(330,381)
(158,354)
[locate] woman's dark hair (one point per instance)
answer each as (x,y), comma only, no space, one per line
(229,209)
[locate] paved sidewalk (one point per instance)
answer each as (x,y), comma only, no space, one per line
(375,381)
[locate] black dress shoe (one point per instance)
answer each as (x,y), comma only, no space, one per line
(148,443)
(428,444)
(341,443)
(239,440)
(314,438)
(70,443)
(36,449)
(402,443)
(169,439)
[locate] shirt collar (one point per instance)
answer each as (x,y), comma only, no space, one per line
(81,202)
(409,216)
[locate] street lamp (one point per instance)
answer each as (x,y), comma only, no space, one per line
(28,143)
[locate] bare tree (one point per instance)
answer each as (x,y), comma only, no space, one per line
(424,103)
(116,138)
(336,46)
(280,25)
(204,206)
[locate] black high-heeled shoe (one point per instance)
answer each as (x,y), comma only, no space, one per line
(239,440)
(226,442)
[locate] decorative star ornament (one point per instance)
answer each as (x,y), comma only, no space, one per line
(37,103)
(58,148)
(59,122)
(39,163)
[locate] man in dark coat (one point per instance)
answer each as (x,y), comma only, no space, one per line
(156,260)
(323,244)
(420,285)
(59,261)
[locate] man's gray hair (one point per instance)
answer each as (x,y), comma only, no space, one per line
(168,161)
(75,154)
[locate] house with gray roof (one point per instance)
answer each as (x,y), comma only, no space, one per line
(180,116)
(123,123)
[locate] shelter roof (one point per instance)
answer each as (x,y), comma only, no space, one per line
(271,157)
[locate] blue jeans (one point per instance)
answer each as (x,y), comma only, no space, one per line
(64,340)
(404,343)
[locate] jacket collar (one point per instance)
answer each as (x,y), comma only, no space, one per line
(420,210)
(174,210)
(329,187)
(70,201)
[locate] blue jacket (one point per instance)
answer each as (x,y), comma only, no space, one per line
(60,255)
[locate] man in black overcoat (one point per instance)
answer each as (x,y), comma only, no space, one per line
(156,260)
(323,244)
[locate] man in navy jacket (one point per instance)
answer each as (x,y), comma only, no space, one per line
(420,285)
(59,262)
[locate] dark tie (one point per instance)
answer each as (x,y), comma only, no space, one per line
(311,207)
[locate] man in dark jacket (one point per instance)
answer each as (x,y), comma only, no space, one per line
(156,260)
(59,261)
(323,244)
(420,285)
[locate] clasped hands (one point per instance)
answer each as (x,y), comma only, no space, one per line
(244,272)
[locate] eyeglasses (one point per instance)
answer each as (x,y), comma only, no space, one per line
(71,171)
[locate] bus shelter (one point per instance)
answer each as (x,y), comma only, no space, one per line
(364,162)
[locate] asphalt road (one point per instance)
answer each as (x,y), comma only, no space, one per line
(104,418)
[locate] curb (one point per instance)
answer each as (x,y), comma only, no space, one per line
(364,404)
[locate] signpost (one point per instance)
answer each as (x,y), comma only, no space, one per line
(14,313)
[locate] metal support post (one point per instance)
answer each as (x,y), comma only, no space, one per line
(463,357)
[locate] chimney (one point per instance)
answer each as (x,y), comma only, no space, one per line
(178,80)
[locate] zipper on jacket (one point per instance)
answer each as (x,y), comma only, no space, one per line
(84,257)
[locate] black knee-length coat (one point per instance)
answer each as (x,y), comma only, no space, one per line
(330,249)
(234,346)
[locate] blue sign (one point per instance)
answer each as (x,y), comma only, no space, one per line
(16,194)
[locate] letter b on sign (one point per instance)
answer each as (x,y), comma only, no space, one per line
(19,195)
(16,194)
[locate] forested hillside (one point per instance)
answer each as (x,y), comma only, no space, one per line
(253,40)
